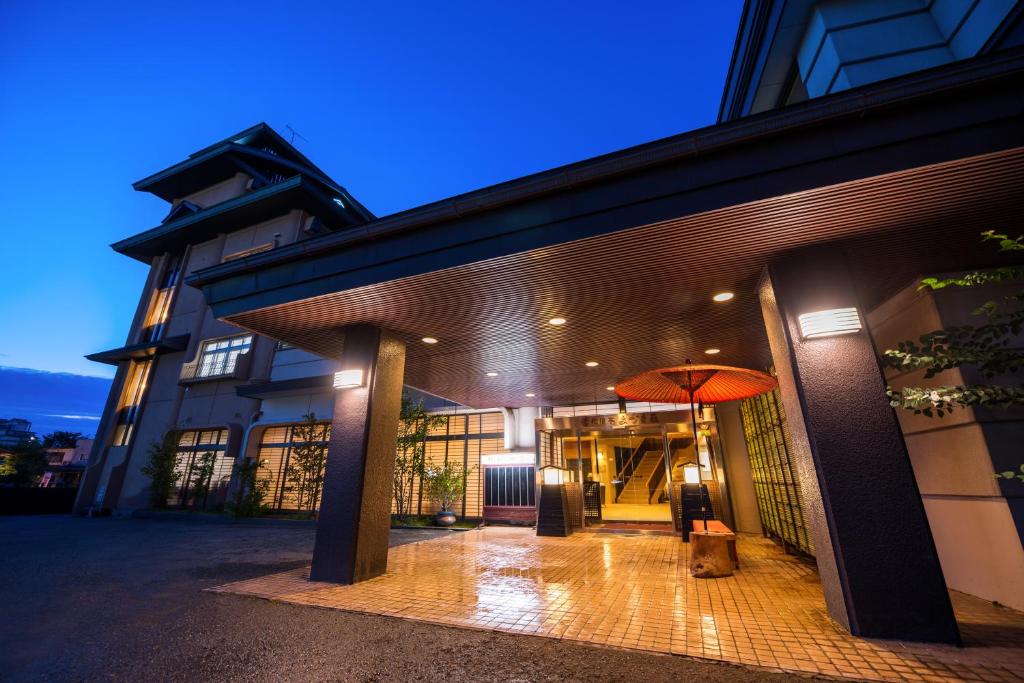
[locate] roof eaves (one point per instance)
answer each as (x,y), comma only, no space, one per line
(696,143)
(210,153)
(215,210)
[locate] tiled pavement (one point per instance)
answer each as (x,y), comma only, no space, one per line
(634,591)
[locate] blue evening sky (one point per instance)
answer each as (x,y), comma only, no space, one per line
(403,103)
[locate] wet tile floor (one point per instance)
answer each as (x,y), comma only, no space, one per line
(634,591)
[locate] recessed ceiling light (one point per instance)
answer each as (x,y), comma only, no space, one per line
(610,388)
(492,374)
(557,321)
(712,352)
(723,296)
(429,340)
(530,395)
(591,363)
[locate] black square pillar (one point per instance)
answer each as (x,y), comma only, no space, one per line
(876,557)
(355,510)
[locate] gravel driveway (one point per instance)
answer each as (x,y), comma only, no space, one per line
(122,599)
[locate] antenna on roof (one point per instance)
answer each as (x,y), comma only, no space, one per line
(295,134)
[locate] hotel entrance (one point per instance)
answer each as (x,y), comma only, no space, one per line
(626,468)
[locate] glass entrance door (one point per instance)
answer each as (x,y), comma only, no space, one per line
(623,474)
(627,467)
(635,479)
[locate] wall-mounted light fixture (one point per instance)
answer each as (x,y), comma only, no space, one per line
(829,323)
(348,379)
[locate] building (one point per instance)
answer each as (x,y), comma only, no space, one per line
(64,466)
(861,145)
(15,431)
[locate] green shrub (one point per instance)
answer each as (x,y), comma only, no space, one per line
(250,491)
(163,456)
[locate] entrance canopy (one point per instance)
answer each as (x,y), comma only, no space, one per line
(630,248)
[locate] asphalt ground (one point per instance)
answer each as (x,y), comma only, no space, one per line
(122,600)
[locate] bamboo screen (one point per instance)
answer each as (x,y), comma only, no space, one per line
(775,478)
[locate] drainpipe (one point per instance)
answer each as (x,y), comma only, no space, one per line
(242,449)
(510,429)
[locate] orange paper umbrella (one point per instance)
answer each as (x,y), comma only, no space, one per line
(698,384)
(695,384)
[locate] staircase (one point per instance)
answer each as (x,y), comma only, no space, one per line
(635,492)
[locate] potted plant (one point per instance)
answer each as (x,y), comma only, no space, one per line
(445,485)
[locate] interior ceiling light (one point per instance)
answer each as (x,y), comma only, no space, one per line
(610,388)
(429,340)
(712,351)
(492,374)
(723,296)
(530,395)
(591,363)
(557,321)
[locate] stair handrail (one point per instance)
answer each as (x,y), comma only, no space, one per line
(654,480)
(621,474)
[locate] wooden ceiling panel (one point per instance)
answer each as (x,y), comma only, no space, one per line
(641,298)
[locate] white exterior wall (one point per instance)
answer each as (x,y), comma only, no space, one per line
(955,458)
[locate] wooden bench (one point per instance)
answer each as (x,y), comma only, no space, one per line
(716,526)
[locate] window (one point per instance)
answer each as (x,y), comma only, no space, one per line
(202,465)
(131,400)
(510,487)
(220,356)
(160,302)
(285,490)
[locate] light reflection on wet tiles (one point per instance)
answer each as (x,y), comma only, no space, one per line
(634,591)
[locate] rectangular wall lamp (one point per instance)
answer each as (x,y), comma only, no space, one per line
(348,379)
(829,323)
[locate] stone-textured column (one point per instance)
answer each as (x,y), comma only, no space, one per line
(355,511)
(878,565)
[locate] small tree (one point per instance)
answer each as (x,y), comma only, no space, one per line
(985,347)
(24,466)
(62,439)
(251,491)
(414,425)
(446,484)
(202,478)
(307,461)
(163,477)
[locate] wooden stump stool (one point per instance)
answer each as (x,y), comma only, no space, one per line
(709,554)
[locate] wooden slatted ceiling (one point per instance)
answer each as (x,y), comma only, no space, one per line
(641,298)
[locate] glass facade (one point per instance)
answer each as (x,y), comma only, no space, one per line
(203,467)
(463,439)
(289,454)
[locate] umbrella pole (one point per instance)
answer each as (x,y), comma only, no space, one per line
(696,448)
